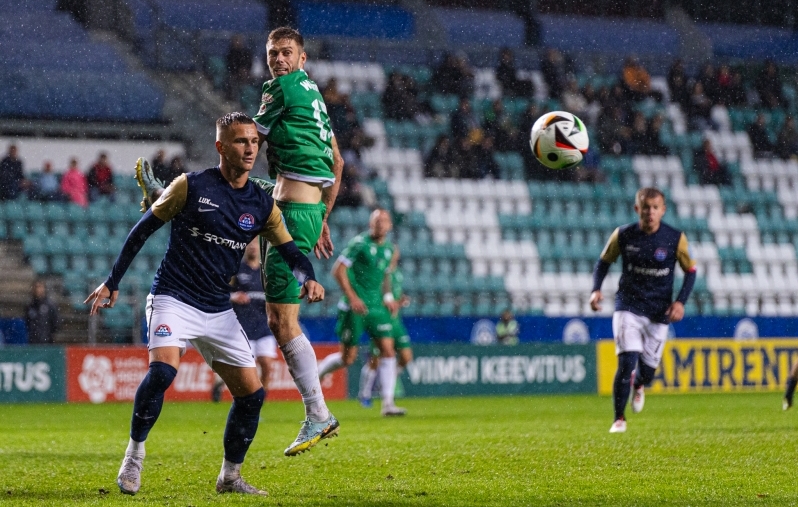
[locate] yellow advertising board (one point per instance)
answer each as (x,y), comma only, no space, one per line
(702,365)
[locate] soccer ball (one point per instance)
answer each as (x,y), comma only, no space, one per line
(559,140)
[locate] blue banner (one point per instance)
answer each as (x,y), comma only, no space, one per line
(566,329)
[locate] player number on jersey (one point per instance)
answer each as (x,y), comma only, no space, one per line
(318,108)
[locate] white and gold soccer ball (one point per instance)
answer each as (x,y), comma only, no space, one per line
(559,140)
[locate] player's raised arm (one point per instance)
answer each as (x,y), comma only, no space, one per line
(610,253)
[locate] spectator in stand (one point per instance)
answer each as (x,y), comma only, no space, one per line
(160,168)
(553,69)
(396,102)
(613,135)
(238,62)
(45,186)
(176,168)
(653,143)
(343,118)
(462,123)
(41,315)
(728,94)
(349,193)
(486,166)
(439,161)
(501,127)
(636,81)
(709,169)
(709,81)
(737,95)
(12,176)
(525,122)
(589,171)
(453,76)
(678,84)
(639,135)
(572,99)
(101,179)
(506,75)
(700,108)
(74,184)
(768,86)
(760,139)
(787,141)
(593,108)
(464,159)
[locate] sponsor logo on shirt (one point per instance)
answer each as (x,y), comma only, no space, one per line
(638,270)
(246,221)
(206,200)
(632,248)
(212,238)
(163,331)
(660,254)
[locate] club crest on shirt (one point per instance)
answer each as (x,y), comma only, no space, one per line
(262,109)
(246,221)
(266,98)
(660,254)
(163,330)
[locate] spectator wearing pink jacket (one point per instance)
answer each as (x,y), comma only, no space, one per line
(74,184)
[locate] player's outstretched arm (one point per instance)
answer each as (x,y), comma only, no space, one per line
(595,300)
(98,297)
(303,271)
(324,246)
(144,228)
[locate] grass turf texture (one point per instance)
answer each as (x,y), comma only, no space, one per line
(723,449)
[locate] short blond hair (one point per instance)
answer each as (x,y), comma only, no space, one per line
(648,193)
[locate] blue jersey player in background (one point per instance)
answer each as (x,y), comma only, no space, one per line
(249,303)
(214,213)
(644,303)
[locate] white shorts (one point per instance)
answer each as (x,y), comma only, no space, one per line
(217,336)
(265,347)
(635,333)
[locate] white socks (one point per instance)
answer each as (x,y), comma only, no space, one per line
(301,360)
(135,449)
(387,372)
(330,363)
(230,471)
(367,378)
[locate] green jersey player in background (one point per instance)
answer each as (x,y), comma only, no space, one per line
(401,339)
(305,163)
(367,304)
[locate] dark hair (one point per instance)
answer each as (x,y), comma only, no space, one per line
(286,32)
(230,118)
(648,193)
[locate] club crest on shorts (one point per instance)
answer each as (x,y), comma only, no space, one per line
(660,254)
(246,221)
(163,330)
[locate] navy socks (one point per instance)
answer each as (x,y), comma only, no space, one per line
(149,399)
(242,423)
(627,361)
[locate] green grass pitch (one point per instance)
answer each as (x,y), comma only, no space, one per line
(723,449)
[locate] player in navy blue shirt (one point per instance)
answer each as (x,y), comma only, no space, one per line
(644,303)
(215,213)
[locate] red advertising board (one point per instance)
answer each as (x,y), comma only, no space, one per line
(103,374)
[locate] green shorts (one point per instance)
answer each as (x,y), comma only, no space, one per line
(350,326)
(401,340)
(304,222)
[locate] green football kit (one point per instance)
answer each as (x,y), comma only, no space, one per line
(293,117)
(367,262)
(401,339)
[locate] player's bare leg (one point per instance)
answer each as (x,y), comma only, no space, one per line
(266,366)
(146,409)
(792,380)
(242,424)
(344,358)
(300,358)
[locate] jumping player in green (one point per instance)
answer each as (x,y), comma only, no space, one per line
(367,304)
(401,339)
(306,165)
